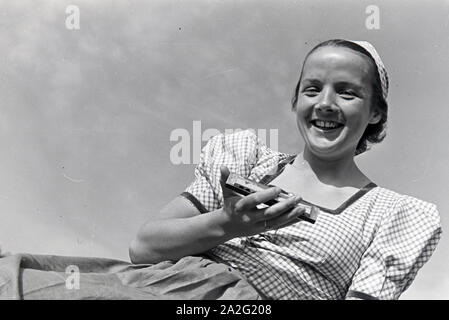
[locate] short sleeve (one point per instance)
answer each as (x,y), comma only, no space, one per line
(238,151)
(403,243)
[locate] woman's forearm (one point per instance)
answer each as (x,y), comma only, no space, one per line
(170,239)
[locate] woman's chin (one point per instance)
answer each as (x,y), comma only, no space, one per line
(325,148)
(327,145)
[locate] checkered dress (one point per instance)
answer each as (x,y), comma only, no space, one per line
(371,249)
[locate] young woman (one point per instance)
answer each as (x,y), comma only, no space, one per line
(368,242)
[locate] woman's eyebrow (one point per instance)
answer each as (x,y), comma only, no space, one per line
(340,84)
(311,81)
(350,84)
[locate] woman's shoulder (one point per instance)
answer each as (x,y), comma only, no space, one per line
(407,205)
(244,145)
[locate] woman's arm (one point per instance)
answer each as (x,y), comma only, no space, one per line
(176,231)
(180,230)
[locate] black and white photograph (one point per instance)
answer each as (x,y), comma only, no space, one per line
(233,150)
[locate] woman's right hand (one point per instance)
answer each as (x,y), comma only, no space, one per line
(245,219)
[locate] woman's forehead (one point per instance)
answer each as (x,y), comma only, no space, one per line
(338,62)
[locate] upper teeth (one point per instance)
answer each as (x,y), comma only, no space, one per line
(326,124)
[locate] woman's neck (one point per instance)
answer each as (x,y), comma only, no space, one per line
(338,172)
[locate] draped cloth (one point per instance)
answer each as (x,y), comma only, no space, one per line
(27,276)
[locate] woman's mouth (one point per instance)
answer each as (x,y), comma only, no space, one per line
(326,125)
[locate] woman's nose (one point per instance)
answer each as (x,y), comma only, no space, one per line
(326,102)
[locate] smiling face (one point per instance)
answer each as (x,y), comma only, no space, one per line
(334,103)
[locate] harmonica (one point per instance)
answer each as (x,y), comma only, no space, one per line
(244,187)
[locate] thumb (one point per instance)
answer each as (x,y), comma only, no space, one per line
(223,177)
(224,171)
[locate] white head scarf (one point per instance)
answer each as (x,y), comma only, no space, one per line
(380,65)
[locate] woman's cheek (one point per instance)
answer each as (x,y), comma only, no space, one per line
(304,110)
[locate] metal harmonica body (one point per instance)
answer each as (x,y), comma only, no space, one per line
(244,186)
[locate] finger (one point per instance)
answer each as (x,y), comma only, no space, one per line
(285,220)
(224,174)
(281,207)
(224,171)
(252,200)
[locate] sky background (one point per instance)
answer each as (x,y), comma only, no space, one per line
(86,115)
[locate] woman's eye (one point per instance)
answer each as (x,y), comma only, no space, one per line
(311,91)
(348,95)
